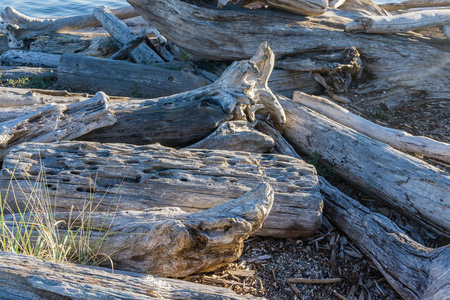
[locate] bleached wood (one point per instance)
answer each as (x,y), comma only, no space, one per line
(56,122)
(123,36)
(414,4)
(167,241)
(26,277)
(232,33)
(363,8)
(236,136)
(18,26)
(398,139)
(185,118)
(27,58)
(140,177)
(400,23)
(408,184)
(301,7)
(413,270)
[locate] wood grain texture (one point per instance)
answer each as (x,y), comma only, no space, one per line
(408,184)
(140,177)
(26,277)
(413,270)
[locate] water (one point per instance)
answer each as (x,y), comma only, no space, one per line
(59,8)
(64,8)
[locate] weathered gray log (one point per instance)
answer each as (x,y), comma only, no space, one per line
(363,8)
(390,61)
(414,271)
(130,46)
(123,35)
(27,58)
(398,139)
(185,118)
(400,23)
(139,177)
(56,122)
(18,26)
(7,73)
(167,241)
(26,277)
(411,186)
(121,78)
(92,44)
(302,7)
(236,136)
(446,31)
(414,4)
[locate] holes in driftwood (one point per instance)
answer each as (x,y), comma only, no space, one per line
(85,189)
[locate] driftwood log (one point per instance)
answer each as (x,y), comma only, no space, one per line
(123,35)
(391,62)
(121,78)
(411,186)
(17,26)
(167,241)
(27,58)
(400,23)
(414,271)
(139,177)
(57,122)
(236,136)
(31,278)
(415,4)
(396,138)
(182,119)
(302,7)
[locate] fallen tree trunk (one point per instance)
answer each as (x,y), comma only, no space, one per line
(396,138)
(27,58)
(400,23)
(167,241)
(56,122)
(236,136)
(27,277)
(129,176)
(185,118)
(408,184)
(90,74)
(123,35)
(414,271)
(391,62)
(414,4)
(18,26)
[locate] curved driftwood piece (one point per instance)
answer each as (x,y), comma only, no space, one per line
(56,122)
(232,33)
(169,242)
(123,35)
(363,8)
(27,277)
(122,78)
(414,4)
(185,118)
(408,184)
(236,136)
(398,139)
(139,177)
(414,271)
(27,58)
(17,26)
(400,23)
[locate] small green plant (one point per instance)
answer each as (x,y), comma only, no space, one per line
(33,229)
(380,114)
(38,82)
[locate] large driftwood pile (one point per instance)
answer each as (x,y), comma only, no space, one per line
(183,211)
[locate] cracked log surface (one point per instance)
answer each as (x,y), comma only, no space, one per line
(167,241)
(26,277)
(390,61)
(56,122)
(139,177)
(415,271)
(408,184)
(182,119)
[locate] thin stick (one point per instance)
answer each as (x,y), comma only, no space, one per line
(314,281)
